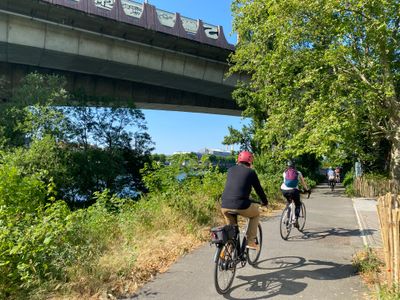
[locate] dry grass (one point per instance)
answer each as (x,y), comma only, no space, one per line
(124,268)
(131,262)
(369,263)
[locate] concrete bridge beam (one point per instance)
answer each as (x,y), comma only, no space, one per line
(104,65)
(103,91)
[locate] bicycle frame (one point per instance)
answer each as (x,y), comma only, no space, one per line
(240,244)
(292,207)
(288,217)
(228,255)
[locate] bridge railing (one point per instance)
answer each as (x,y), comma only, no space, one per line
(148,16)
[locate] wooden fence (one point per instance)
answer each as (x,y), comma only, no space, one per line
(389,218)
(371,188)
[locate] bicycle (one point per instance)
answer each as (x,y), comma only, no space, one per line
(288,218)
(231,251)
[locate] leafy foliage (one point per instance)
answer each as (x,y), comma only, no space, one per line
(324,77)
(32,234)
(43,243)
(243,137)
(348,183)
(52,152)
(82,149)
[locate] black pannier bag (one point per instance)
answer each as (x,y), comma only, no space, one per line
(221,234)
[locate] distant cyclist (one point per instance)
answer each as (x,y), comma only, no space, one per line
(290,187)
(236,196)
(337,174)
(331,176)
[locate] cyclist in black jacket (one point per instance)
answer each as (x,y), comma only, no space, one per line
(236,196)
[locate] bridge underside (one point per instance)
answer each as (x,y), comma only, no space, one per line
(104,91)
(104,65)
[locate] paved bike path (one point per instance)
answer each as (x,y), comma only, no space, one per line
(313,265)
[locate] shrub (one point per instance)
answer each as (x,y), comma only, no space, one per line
(366,261)
(348,183)
(386,293)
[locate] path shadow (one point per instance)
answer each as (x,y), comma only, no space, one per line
(141,294)
(334,193)
(287,275)
(312,234)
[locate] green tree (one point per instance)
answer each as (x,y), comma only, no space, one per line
(111,146)
(80,149)
(31,113)
(324,76)
(108,127)
(244,138)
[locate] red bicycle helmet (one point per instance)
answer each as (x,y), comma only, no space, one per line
(245,156)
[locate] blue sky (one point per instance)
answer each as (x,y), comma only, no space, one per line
(181,131)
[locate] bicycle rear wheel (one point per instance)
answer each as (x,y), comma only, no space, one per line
(285,224)
(332,185)
(302,217)
(225,267)
(254,255)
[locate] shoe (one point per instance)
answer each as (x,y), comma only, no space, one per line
(253,246)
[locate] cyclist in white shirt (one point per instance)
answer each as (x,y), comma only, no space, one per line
(330,174)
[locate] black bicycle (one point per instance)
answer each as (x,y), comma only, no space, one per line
(332,183)
(288,218)
(231,250)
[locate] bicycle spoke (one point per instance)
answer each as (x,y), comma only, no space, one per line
(285,224)
(225,267)
(302,217)
(254,255)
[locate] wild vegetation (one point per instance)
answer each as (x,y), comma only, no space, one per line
(72,190)
(112,246)
(370,265)
(85,210)
(323,80)
(323,84)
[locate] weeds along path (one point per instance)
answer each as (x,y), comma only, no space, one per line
(315,264)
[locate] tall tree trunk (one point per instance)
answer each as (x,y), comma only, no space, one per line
(394,111)
(395,154)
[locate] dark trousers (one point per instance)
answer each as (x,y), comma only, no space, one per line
(295,195)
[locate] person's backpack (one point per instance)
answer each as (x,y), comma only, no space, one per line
(291,178)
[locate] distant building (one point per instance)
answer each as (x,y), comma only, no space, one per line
(181,152)
(216,152)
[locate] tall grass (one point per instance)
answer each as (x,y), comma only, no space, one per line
(112,247)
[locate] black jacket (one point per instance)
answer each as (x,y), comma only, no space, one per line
(238,186)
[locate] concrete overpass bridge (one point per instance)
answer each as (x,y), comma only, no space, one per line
(121,50)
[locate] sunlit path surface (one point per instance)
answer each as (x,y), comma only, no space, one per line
(315,264)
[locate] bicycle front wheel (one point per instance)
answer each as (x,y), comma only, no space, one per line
(302,217)
(225,267)
(285,224)
(254,255)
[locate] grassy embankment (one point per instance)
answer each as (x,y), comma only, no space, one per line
(110,248)
(370,264)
